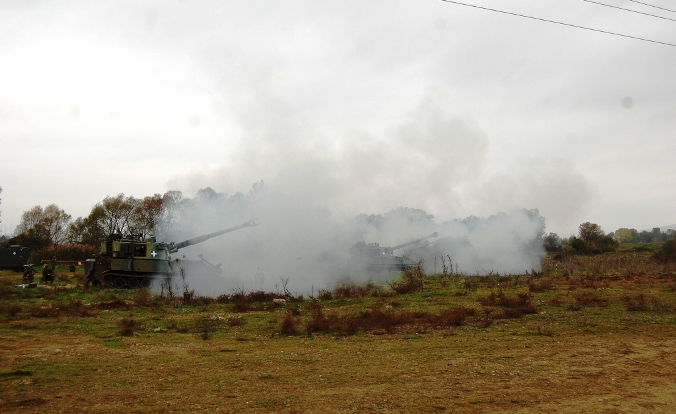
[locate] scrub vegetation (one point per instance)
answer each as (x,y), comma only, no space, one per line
(586,333)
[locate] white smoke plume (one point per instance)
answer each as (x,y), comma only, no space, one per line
(322,186)
(310,248)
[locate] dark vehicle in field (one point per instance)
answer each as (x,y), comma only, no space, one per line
(372,257)
(14,257)
(129,262)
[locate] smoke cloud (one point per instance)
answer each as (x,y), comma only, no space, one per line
(309,248)
(324,191)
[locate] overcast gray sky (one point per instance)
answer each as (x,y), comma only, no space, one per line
(357,106)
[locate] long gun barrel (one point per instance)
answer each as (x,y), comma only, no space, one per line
(175,247)
(435,234)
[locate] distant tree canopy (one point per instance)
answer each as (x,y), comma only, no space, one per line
(50,231)
(624,235)
(656,235)
(40,227)
(148,216)
(119,214)
(552,242)
(591,232)
(592,239)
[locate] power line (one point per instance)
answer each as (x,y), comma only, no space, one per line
(652,5)
(555,22)
(629,10)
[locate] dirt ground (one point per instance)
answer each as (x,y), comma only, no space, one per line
(465,370)
(601,342)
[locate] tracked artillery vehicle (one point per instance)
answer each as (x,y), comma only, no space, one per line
(372,257)
(130,262)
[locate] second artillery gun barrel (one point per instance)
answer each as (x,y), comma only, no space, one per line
(435,234)
(175,247)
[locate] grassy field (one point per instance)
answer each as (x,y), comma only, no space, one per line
(587,334)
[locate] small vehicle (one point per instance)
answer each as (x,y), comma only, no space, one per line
(14,257)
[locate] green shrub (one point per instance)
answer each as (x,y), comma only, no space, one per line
(667,252)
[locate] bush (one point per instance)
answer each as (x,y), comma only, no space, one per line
(541,286)
(376,319)
(413,280)
(324,294)
(451,317)
(234,320)
(318,322)
(206,326)
(11,310)
(513,307)
(644,303)
(128,326)
(600,245)
(667,252)
(350,289)
(590,298)
(289,326)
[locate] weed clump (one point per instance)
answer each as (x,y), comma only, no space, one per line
(379,320)
(513,307)
(324,294)
(413,280)
(128,326)
(11,310)
(450,317)
(318,321)
(180,327)
(591,299)
(641,303)
(543,285)
(349,290)
(43,312)
(555,302)
(234,320)
(243,301)
(114,304)
(289,325)
(242,304)
(573,306)
(206,326)
(667,252)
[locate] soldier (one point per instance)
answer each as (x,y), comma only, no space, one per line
(47,274)
(28,274)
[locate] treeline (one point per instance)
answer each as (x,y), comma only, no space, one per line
(656,235)
(592,239)
(50,232)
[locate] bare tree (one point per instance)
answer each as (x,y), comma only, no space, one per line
(591,232)
(50,224)
(56,222)
(146,215)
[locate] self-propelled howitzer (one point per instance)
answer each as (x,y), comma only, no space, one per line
(129,262)
(376,258)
